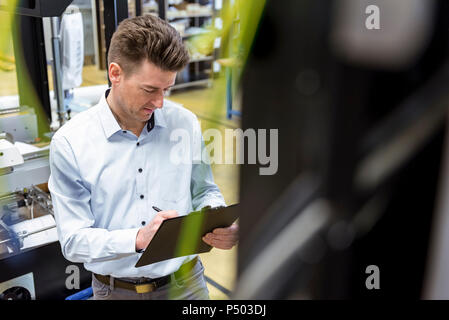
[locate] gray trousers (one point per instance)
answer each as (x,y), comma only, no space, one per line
(191,287)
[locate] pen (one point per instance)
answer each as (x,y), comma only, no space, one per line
(156,209)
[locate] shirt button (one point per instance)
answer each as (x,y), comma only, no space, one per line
(143,223)
(141,196)
(124,131)
(138,143)
(140,170)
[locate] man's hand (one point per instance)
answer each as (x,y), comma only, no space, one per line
(146,234)
(223,238)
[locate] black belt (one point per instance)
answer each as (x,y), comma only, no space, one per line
(147,285)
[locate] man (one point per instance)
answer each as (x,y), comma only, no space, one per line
(111,164)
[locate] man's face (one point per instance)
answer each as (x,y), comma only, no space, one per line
(142,91)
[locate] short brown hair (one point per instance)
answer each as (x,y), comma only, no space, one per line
(147,37)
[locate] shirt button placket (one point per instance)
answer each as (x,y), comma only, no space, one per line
(140,185)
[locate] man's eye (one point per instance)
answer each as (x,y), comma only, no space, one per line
(164,92)
(148,91)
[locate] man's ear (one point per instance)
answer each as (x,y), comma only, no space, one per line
(115,73)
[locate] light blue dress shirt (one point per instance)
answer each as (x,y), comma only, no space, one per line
(104,182)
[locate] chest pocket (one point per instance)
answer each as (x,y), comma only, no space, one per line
(174,185)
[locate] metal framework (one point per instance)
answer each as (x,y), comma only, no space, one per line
(364,140)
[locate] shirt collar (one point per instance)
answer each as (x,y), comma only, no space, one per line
(108,121)
(110,124)
(159,118)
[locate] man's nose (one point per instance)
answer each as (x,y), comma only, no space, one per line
(158,101)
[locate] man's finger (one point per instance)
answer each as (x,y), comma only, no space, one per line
(222,237)
(169,214)
(219,244)
(213,239)
(222,231)
(229,230)
(205,239)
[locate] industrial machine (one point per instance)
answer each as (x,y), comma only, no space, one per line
(362,119)
(31,262)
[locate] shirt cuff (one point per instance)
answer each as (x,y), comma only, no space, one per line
(212,202)
(124,241)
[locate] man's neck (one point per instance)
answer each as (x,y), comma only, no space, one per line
(134,127)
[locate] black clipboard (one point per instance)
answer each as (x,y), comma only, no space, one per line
(182,236)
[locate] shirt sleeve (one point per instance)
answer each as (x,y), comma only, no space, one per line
(203,188)
(80,240)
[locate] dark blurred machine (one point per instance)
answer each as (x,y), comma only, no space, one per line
(31,263)
(361,116)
